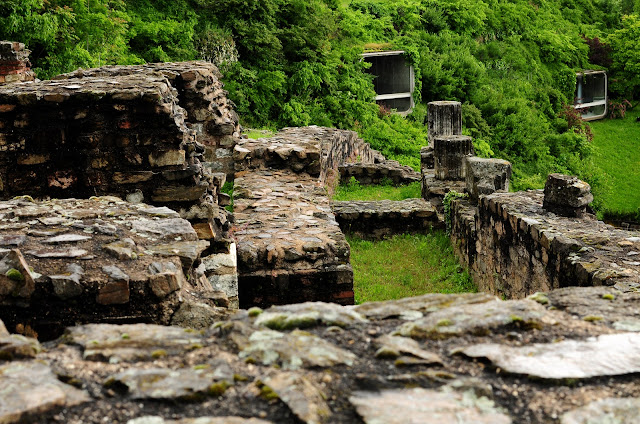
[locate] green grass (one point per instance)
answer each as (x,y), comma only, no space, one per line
(617,151)
(354,191)
(256,133)
(406,265)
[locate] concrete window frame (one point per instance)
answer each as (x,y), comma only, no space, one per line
(395,80)
(591,94)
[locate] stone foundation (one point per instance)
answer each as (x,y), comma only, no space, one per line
(290,248)
(377,220)
(514,247)
(98,260)
(92,136)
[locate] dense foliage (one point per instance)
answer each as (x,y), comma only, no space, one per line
(297,62)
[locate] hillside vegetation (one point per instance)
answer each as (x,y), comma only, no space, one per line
(297,62)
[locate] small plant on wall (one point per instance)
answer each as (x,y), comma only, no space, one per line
(448,198)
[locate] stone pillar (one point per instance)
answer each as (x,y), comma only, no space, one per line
(486,176)
(14,63)
(449,153)
(566,195)
(443,118)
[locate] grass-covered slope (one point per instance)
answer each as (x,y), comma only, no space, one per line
(617,153)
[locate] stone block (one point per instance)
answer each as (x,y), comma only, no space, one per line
(114,293)
(566,195)
(426,157)
(486,176)
(449,153)
(178,193)
(165,283)
(132,177)
(228,284)
(167,158)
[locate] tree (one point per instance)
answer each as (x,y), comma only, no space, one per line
(625,53)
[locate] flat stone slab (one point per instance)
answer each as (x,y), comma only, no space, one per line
(303,397)
(425,407)
(308,314)
(31,388)
(162,383)
(412,308)
(605,411)
(131,342)
(199,420)
(477,319)
(611,354)
(294,350)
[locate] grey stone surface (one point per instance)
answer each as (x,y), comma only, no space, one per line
(132,342)
(486,176)
(308,314)
(294,350)
(162,383)
(420,406)
(611,354)
(96,253)
(605,411)
(303,397)
(30,389)
(412,308)
(200,420)
(332,374)
(478,319)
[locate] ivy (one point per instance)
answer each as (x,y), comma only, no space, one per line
(446,202)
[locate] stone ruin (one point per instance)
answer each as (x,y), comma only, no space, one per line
(160,134)
(14,63)
(112,270)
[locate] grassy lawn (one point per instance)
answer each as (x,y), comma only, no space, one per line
(617,149)
(406,265)
(354,191)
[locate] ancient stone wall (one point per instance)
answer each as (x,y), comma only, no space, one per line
(376,220)
(14,63)
(290,247)
(388,171)
(514,247)
(93,136)
(317,151)
(122,131)
(200,92)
